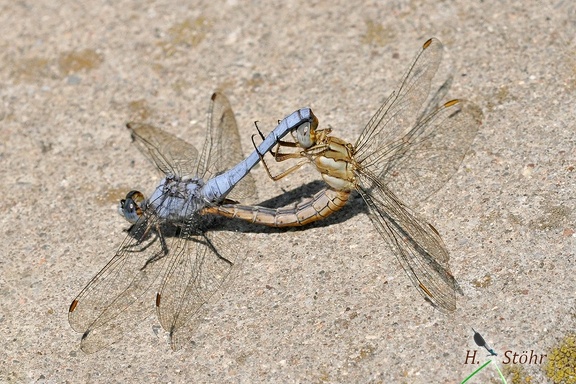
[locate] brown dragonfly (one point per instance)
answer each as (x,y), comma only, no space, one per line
(405,153)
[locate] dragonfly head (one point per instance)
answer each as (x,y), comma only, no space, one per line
(306,133)
(130,207)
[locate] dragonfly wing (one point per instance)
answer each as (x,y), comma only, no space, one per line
(427,157)
(416,243)
(173,156)
(385,130)
(436,100)
(200,272)
(116,297)
(222,149)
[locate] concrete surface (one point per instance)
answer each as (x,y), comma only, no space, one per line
(325,304)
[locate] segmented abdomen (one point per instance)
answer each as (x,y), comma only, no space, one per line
(322,204)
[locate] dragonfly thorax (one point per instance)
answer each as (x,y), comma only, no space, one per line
(174,199)
(336,164)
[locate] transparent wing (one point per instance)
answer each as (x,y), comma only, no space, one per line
(200,275)
(416,243)
(436,100)
(173,156)
(222,149)
(115,299)
(195,277)
(427,156)
(396,117)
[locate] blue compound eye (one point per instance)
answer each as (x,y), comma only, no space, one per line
(130,207)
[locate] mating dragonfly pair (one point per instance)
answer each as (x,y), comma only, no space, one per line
(404,154)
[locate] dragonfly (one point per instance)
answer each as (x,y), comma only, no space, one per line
(171,245)
(401,158)
(479,340)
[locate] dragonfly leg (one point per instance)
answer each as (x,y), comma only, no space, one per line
(163,251)
(280,143)
(278,156)
(306,154)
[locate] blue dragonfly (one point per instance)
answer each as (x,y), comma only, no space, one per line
(173,245)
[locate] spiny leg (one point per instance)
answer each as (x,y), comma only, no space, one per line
(278,156)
